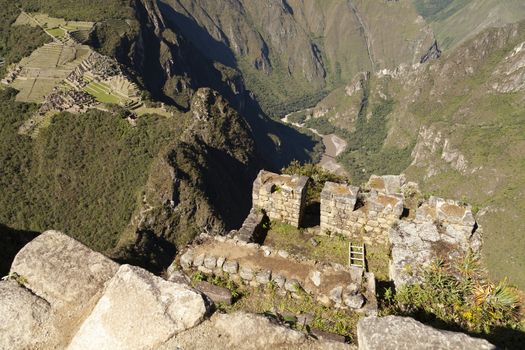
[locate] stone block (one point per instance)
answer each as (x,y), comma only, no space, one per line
(246,273)
(199,260)
(406,333)
(215,293)
(220,261)
(205,270)
(292,285)
(336,295)
(186,260)
(354,301)
(230,267)
(315,277)
(263,277)
(279,280)
(210,262)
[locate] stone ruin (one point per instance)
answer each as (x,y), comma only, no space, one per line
(257,265)
(282,197)
(376,214)
(360,215)
(441,228)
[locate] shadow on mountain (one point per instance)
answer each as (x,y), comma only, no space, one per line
(278,144)
(11,241)
(149,251)
(209,46)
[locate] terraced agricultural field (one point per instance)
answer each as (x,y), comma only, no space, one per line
(103,93)
(45,21)
(45,68)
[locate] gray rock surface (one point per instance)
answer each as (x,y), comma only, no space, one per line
(416,243)
(215,293)
(245,331)
(394,332)
(139,311)
(230,267)
(66,273)
(25,319)
(354,301)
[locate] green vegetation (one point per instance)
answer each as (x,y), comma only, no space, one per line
(57,32)
(102,92)
(16,42)
(458,296)
(298,241)
(82,10)
(456,21)
(82,174)
(332,249)
(267,300)
(365,153)
(430,8)
(318,177)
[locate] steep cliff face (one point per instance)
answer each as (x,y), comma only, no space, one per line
(199,185)
(460,120)
(293,50)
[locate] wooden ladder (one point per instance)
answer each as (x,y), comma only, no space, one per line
(356,255)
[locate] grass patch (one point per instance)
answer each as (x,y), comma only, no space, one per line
(266,300)
(102,93)
(286,237)
(57,32)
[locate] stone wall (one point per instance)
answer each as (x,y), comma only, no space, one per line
(381,205)
(441,228)
(282,197)
(338,213)
(252,230)
(258,265)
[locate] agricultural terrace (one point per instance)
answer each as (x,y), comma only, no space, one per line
(55,27)
(45,68)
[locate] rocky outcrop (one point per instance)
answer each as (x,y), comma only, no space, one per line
(245,331)
(430,147)
(441,229)
(65,273)
(24,318)
(134,310)
(393,332)
(139,310)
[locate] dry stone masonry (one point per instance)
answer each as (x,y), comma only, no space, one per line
(282,197)
(443,228)
(256,265)
(363,215)
(376,215)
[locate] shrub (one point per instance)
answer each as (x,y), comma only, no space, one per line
(460,296)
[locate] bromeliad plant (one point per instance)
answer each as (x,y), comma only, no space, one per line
(460,294)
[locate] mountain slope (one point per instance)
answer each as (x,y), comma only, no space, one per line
(454,22)
(457,125)
(291,52)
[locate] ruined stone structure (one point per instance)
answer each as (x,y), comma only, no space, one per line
(282,197)
(362,215)
(258,265)
(338,202)
(441,228)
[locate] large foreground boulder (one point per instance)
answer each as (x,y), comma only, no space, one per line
(69,276)
(139,310)
(245,331)
(63,271)
(394,332)
(24,318)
